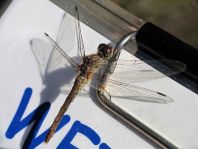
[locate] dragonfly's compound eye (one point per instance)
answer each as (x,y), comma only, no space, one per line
(104,50)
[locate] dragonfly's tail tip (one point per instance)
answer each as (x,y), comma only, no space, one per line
(46,34)
(47,140)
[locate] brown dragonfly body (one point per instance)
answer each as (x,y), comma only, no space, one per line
(86,70)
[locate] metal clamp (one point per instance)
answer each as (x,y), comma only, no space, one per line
(123,41)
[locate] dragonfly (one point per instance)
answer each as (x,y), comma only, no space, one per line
(89,69)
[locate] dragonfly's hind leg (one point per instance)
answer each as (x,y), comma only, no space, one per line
(108,94)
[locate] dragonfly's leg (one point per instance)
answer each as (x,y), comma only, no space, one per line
(104,91)
(108,94)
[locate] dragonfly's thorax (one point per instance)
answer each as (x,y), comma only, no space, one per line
(85,66)
(90,65)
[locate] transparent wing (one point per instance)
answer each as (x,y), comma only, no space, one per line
(132,71)
(62,52)
(42,52)
(66,27)
(70,36)
(48,58)
(116,89)
(81,48)
(69,40)
(66,40)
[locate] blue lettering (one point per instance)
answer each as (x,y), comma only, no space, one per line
(38,116)
(104,146)
(78,127)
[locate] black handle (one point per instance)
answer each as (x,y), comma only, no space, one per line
(160,44)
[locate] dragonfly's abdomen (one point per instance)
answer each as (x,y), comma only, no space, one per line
(79,83)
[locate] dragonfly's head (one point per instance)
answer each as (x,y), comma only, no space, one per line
(105,51)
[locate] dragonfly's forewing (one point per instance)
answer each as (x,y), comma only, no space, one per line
(81,48)
(132,71)
(70,36)
(66,38)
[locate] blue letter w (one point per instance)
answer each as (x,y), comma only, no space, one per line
(38,116)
